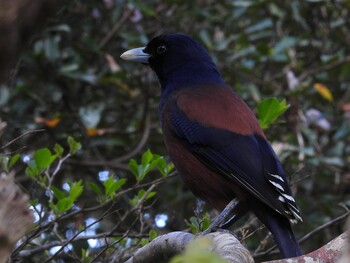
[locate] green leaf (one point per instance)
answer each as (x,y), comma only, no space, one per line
(7,163)
(146,158)
(198,225)
(149,161)
(152,234)
(163,167)
(150,195)
(58,193)
(134,167)
(137,169)
(285,43)
(43,158)
(205,222)
(74,146)
(269,110)
(66,201)
(13,160)
(111,186)
(194,224)
(51,48)
(76,189)
(64,205)
(58,149)
(4,161)
(32,171)
(94,187)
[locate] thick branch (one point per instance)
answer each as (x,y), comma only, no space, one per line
(15,217)
(330,253)
(166,246)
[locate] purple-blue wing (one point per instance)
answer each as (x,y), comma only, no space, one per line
(244,157)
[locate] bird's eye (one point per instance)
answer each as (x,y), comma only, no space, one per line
(161,49)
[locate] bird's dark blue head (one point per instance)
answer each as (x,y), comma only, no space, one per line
(178,60)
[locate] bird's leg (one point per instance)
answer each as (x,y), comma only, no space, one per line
(222,216)
(241,210)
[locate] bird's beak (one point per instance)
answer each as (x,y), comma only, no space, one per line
(136,55)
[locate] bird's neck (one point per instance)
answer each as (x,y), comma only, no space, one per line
(190,75)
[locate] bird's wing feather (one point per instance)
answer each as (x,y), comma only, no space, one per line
(246,159)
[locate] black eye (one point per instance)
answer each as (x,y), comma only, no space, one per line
(161,49)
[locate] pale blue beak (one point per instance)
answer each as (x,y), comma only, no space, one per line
(136,55)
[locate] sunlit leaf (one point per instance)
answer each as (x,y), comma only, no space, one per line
(269,110)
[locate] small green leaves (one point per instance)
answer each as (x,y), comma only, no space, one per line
(43,158)
(6,162)
(66,199)
(111,186)
(152,234)
(74,146)
(199,225)
(148,162)
(58,149)
(269,110)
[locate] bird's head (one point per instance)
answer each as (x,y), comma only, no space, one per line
(177,59)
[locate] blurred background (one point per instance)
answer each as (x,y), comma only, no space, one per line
(69,81)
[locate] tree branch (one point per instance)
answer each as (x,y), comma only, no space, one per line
(164,247)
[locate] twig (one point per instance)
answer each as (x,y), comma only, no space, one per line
(321,227)
(114,29)
(117,163)
(308,235)
(140,145)
(137,208)
(21,136)
(329,66)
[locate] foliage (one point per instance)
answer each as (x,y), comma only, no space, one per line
(198,225)
(104,197)
(269,110)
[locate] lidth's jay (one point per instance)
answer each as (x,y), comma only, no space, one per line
(214,139)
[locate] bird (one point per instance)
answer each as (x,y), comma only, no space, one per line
(214,139)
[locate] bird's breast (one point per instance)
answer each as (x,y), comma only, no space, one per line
(204,183)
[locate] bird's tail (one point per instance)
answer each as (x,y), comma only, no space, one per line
(281,229)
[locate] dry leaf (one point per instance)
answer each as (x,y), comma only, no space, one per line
(324,91)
